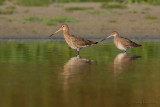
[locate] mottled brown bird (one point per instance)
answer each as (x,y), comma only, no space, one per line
(74,42)
(122,43)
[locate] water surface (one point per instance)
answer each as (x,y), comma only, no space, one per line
(49,74)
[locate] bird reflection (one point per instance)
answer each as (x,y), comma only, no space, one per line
(122,60)
(74,66)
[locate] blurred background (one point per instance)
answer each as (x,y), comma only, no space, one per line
(86,18)
(38,71)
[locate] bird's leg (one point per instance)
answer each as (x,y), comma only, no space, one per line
(123,51)
(77,51)
(78,56)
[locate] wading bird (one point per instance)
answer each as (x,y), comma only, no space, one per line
(122,43)
(74,42)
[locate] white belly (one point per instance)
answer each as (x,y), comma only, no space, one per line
(121,47)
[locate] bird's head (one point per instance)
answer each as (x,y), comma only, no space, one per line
(63,27)
(114,34)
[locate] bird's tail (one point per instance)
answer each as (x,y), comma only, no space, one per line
(88,42)
(92,42)
(137,45)
(96,42)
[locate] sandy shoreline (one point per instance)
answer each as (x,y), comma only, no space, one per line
(128,24)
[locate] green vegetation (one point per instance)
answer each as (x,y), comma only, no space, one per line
(113,6)
(30,19)
(2,11)
(132,11)
(59,5)
(153,21)
(10,19)
(96,12)
(34,2)
(112,12)
(47,2)
(60,19)
(102,12)
(1,2)
(77,8)
(151,17)
(154,2)
(7,10)
(112,21)
(11,7)
(48,21)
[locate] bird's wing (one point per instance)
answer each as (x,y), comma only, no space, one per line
(80,42)
(128,43)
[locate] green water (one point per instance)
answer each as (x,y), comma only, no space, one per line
(48,74)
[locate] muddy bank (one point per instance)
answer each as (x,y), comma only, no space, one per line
(129,22)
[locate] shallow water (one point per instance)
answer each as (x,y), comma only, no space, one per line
(49,74)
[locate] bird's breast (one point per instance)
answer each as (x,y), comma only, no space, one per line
(69,42)
(119,45)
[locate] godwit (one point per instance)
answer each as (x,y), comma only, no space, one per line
(74,42)
(122,43)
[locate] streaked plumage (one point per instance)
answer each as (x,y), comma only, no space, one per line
(122,43)
(74,42)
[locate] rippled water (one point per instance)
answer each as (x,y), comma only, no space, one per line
(48,74)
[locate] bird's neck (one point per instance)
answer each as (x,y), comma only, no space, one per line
(116,38)
(66,33)
(117,35)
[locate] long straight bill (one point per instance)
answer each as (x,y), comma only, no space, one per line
(106,38)
(51,35)
(109,36)
(56,32)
